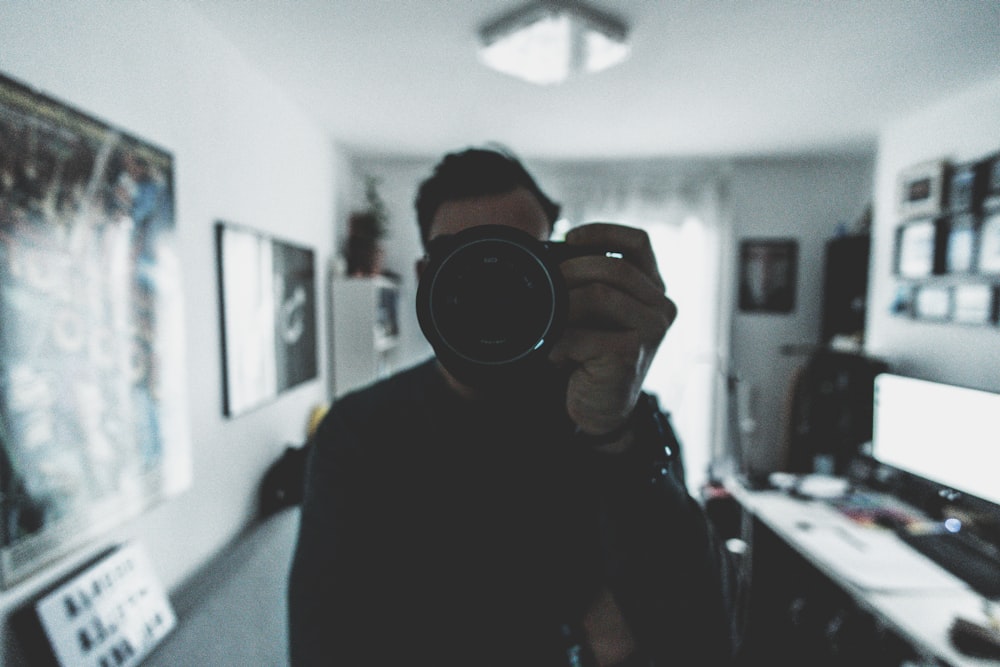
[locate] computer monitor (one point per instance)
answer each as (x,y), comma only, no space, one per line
(943,433)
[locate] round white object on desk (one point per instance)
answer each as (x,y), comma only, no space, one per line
(822,486)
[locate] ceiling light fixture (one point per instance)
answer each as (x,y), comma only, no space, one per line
(547,41)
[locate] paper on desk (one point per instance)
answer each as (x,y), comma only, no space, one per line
(869,557)
(875,559)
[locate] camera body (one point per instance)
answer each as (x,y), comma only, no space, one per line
(492,301)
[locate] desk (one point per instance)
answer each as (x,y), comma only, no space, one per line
(900,587)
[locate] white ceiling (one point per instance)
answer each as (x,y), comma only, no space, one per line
(706,77)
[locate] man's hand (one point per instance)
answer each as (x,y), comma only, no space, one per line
(618,315)
(608,633)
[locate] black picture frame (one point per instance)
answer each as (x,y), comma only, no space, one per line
(267,299)
(768,275)
(990,182)
(965,187)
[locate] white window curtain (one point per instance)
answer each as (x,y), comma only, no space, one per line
(682,208)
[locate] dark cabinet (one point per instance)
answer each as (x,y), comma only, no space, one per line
(845,287)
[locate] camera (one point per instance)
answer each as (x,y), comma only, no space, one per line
(492,301)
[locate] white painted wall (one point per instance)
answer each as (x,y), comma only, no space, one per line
(963,128)
(804,199)
(244,153)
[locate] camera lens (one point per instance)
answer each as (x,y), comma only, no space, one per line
(491,301)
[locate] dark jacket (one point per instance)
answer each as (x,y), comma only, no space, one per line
(436,531)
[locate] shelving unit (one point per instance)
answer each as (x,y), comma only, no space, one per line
(365,331)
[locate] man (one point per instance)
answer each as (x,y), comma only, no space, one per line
(543,523)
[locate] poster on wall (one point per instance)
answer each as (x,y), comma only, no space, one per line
(268,298)
(93,426)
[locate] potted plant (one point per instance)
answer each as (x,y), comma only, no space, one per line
(365,229)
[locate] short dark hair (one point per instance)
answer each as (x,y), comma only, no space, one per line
(476,172)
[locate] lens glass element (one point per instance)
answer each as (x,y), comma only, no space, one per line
(492,301)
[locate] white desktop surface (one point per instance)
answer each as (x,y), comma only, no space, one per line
(902,587)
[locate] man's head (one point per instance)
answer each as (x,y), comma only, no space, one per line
(477,175)
(481,187)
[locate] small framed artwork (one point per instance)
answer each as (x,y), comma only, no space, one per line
(933,302)
(922,190)
(964,188)
(975,303)
(268,299)
(920,248)
(960,255)
(991,182)
(989,244)
(768,270)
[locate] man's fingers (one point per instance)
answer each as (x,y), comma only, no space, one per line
(615,273)
(631,242)
(607,376)
(602,306)
(584,345)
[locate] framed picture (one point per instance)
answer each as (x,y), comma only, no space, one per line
(964,188)
(920,248)
(768,275)
(933,302)
(921,190)
(989,244)
(960,255)
(990,169)
(975,303)
(93,423)
(268,299)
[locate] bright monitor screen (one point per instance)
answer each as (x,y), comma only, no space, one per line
(947,434)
